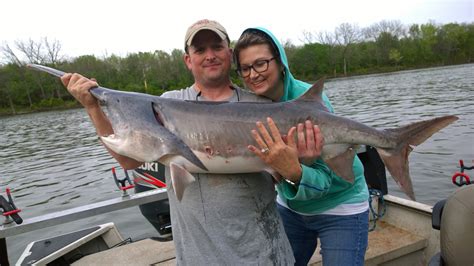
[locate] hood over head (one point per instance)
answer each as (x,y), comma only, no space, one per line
(293,88)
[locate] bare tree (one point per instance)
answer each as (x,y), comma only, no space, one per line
(394,27)
(386,34)
(329,40)
(37,52)
(32,50)
(307,38)
(53,50)
(53,56)
(326,38)
(346,35)
(10,55)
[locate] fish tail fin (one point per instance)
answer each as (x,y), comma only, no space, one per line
(396,159)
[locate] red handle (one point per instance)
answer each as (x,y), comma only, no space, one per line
(468,180)
(11,212)
(127,187)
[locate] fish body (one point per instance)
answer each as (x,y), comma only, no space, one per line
(212,137)
(217,133)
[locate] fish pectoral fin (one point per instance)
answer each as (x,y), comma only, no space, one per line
(180,179)
(342,164)
(175,145)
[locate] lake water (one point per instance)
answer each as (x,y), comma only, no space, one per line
(53,161)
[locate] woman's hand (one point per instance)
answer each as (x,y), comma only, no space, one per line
(281,156)
(310,142)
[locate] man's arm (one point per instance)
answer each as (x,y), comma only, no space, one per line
(79,87)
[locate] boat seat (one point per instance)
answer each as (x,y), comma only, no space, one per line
(457,233)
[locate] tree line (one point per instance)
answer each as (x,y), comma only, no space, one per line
(348,50)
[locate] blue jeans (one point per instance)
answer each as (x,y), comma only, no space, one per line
(343,239)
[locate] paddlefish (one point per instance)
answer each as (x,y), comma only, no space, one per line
(212,137)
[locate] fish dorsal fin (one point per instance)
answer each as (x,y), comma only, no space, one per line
(315,93)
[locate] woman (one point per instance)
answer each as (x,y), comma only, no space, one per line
(317,203)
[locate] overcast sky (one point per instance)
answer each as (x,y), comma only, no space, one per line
(104,27)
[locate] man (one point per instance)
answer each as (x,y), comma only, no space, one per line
(222,219)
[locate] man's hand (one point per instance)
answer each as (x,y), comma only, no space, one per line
(79,86)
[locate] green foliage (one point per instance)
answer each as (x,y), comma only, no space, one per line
(49,103)
(383,49)
(395,56)
(310,60)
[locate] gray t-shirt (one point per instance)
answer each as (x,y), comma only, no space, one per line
(227,219)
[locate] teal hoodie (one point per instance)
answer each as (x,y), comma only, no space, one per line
(320,189)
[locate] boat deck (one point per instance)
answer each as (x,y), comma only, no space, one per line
(386,243)
(403,236)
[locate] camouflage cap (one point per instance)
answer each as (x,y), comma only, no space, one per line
(204,24)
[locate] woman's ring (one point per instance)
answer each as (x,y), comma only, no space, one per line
(265,150)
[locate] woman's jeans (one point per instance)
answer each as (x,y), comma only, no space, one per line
(343,238)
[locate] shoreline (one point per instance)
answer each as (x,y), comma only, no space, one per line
(25,111)
(6,112)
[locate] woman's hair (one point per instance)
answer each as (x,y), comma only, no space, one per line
(252,37)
